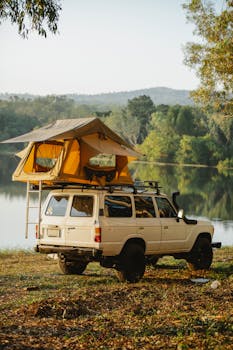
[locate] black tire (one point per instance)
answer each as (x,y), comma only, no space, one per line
(201,255)
(72,267)
(132,263)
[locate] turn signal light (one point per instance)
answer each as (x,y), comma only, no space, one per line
(98,234)
(37,231)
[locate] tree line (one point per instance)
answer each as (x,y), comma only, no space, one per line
(177,134)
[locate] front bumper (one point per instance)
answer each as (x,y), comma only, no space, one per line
(216,244)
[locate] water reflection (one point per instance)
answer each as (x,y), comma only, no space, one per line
(204,193)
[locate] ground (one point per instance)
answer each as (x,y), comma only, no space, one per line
(168,309)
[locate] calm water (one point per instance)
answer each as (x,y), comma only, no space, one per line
(205,193)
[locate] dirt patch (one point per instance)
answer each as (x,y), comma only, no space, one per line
(59,309)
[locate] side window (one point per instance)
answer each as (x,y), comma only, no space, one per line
(82,206)
(118,206)
(57,206)
(165,208)
(144,207)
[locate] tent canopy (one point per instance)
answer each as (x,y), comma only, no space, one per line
(62,150)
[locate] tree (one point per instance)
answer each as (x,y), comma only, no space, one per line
(196,150)
(122,122)
(162,142)
(140,108)
(28,15)
(212,56)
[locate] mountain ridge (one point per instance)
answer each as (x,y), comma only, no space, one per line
(159,95)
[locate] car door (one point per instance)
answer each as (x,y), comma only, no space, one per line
(80,221)
(174,231)
(54,219)
(148,225)
(118,223)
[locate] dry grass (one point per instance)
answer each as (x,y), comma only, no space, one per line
(42,309)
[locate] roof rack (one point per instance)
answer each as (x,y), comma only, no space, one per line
(148,184)
(138,186)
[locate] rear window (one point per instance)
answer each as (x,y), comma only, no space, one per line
(118,206)
(82,206)
(57,206)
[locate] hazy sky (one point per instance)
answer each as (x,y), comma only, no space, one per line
(103,46)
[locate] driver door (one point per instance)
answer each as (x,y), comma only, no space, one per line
(174,232)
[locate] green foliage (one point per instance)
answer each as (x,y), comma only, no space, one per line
(185,134)
(195,149)
(124,124)
(140,108)
(212,56)
(163,133)
(132,122)
(13,123)
(225,166)
(38,15)
(18,116)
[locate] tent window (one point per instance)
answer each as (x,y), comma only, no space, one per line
(45,163)
(103,160)
(46,156)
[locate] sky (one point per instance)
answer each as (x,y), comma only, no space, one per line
(102,46)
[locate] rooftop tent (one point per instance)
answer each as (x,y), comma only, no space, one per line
(61,152)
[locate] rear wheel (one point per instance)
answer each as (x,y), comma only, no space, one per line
(201,255)
(132,263)
(72,267)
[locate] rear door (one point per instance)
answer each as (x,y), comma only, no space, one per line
(80,221)
(54,219)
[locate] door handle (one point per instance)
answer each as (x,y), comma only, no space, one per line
(71,228)
(165,227)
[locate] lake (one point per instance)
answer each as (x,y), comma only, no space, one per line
(204,193)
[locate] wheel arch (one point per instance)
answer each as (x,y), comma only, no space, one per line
(206,235)
(135,240)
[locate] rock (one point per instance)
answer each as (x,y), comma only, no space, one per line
(215,284)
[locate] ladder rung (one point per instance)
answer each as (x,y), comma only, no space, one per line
(35,206)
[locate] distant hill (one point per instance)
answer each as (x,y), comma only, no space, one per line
(159,95)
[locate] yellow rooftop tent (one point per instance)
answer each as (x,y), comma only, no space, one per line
(61,152)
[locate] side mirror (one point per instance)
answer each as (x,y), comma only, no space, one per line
(180,214)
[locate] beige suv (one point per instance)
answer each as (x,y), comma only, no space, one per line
(121,228)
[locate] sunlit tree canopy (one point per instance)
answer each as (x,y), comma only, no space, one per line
(31,15)
(212,55)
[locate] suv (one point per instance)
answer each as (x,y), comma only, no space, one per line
(121,228)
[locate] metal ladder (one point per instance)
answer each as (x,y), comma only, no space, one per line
(29,206)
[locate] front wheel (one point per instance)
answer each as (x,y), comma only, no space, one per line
(132,263)
(201,255)
(72,267)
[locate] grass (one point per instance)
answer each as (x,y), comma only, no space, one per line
(42,309)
